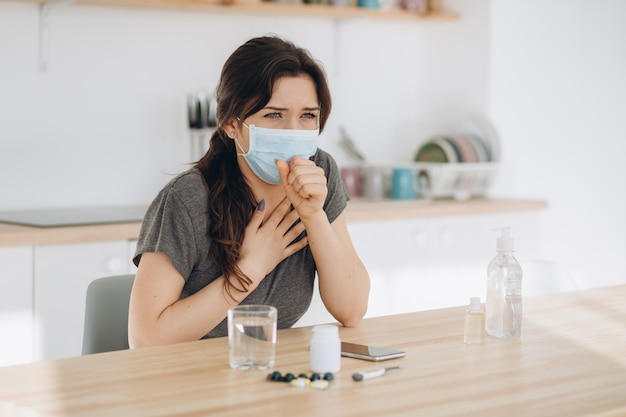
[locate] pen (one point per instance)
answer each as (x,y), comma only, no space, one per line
(372,373)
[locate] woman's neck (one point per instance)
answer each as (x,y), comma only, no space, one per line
(273,194)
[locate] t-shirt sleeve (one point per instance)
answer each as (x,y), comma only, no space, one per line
(168,228)
(337,198)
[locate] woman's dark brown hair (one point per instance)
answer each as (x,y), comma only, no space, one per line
(245,87)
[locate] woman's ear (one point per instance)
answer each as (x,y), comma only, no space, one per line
(230,128)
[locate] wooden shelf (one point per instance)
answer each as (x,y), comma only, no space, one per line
(267,8)
(229,7)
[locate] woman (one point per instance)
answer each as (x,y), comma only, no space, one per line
(255,218)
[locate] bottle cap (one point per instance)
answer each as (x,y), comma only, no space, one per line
(504,243)
(474,304)
(326,331)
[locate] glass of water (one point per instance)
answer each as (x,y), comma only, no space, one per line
(252,336)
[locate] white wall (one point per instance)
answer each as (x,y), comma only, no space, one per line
(558,98)
(106,123)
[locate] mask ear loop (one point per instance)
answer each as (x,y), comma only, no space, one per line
(243,153)
(243,123)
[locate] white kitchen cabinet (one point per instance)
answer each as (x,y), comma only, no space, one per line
(132,247)
(62,274)
(434,262)
(16,305)
(430,263)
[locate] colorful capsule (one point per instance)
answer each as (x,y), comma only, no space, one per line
(274,376)
(301,382)
(319,384)
(316,380)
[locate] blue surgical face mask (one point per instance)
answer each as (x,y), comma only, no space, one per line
(269,145)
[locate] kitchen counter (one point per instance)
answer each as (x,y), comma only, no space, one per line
(359,210)
(14,235)
(368,210)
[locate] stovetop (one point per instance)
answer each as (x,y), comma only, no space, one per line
(74,216)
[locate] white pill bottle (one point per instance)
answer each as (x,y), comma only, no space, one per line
(325,349)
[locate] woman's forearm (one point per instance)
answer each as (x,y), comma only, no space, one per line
(158,316)
(343,280)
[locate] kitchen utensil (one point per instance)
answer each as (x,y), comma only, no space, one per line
(348,145)
(201,111)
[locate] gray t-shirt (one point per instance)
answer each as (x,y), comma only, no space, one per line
(177,222)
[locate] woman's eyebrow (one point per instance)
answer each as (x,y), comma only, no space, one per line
(274,108)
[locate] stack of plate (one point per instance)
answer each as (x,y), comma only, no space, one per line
(460,164)
(452,149)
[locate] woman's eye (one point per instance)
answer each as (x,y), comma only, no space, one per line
(309,116)
(275,115)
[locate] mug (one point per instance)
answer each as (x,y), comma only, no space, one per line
(375,187)
(369,4)
(351,177)
(403,184)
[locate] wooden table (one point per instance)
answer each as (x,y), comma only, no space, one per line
(571,361)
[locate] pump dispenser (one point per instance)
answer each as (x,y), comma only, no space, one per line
(504,290)
(504,242)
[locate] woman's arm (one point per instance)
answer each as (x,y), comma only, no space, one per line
(157,314)
(343,280)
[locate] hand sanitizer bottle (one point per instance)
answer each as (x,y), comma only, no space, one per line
(474,332)
(504,290)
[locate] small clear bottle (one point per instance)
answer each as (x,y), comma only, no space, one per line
(474,332)
(325,349)
(504,291)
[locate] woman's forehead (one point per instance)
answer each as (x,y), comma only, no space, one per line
(294,92)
